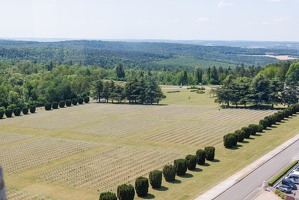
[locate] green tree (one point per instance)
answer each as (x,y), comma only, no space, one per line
(155,178)
(98,89)
(180,166)
(125,192)
(289,94)
(169,173)
(119,69)
(141,186)
(108,196)
(200,157)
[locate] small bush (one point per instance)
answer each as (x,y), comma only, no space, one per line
(247,132)
(125,192)
(48,106)
(280,194)
(17,111)
(169,173)
(264,123)
(1,113)
(61,104)
(180,166)
(32,108)
(173,91)
(108,196)
(260,128)
(155,178)
(210,153)
(200,92)
(74,101)
(141,186)
(8,113)
(240,134)
(68,102)
(191,162)
(25,110)
(253,129)
(200,157)
(80,100)
(55,105)
(86,99)
(229,140)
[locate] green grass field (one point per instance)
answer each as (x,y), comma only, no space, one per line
(78,152)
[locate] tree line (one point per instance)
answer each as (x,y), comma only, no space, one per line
(274,84)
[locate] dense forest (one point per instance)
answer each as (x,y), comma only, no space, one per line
(144,55)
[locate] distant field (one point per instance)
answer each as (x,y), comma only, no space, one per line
(185,61)
(78,152)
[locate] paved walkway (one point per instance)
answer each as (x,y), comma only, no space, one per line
(232,180)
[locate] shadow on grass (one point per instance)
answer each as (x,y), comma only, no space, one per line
(251,138)
(187,175)
(244,142)
(162,188)
(196,170)
(258,135)
(176,181)
(206,164)
(148,196)
(215,160)
(235,147)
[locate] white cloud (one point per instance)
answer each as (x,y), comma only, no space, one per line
(281,19)
(203,19)
(223,4)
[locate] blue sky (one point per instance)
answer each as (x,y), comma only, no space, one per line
(260,20)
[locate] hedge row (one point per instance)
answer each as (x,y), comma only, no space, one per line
(10,110)
(281,174)
(67,102)
(180,166)
(231,139)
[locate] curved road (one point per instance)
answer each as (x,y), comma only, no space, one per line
(250,186)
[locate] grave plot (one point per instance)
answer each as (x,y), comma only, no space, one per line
(28,155)
(107,170)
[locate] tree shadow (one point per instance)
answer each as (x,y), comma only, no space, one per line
(196,170)
(162,188)
(235,147)
(258,135)
(176,181)
(215,160)
(244,142)
(187,175)
(148,196)
(206,164)
(251,138)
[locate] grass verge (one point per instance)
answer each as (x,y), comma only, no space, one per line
(281,174)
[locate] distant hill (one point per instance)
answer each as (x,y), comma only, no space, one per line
(148,54)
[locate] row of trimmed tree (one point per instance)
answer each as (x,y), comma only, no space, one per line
(13,109)
(180,166)
(67,102)
(230,140)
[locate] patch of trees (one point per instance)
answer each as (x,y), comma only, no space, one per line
(270,86)
(137,91)
(231,140)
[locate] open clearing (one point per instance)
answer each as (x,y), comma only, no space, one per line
(78,152)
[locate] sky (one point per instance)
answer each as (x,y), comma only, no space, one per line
(253,20)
